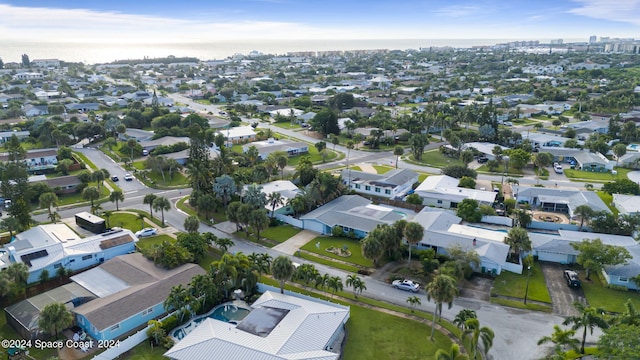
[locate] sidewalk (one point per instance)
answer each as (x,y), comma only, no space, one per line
(296,242)
(368,168)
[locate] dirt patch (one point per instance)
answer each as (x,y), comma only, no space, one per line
(477,287)
(562,296)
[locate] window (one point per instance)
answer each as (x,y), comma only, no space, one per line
(148,311)
(623,279)
(377,189)
(87,257)
(387,191)
(57,266)
(357,186)
(72,260)
(114,327)
(368,188)
(439,201)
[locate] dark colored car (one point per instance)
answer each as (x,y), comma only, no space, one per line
(572,278)
(114,178)
(482,160)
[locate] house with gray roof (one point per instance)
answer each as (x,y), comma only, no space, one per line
(558,200)
(149,145)
(627,204)
(391,184)
(266,147)
(593,162)
(354,214)
(130,290)
(443,191)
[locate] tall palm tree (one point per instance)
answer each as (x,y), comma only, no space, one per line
(162,204)
(452,354)
(335,284)
(274,199)
(254,196)
(442,289)
(259,221)
(588,318)
(55,317)
(107,215)
(413,232)
(48,200)
(116,196)
(177,299)
(478,335)
(630,316)
(562,339)
(191,224)
(148,200)
(91,193)
(518,239)
(282,161)
(282,269)
(585,212)
(461,318)
(356,283)
(98,177)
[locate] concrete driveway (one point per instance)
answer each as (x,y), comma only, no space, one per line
(562,296)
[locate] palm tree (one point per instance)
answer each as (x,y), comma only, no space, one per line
(630,316)
(91,193)
(48,200)
(372,248)
(116,196)
(413,301)
(191,224)
(55,317)
(588,318)
(131,145)
(161,204)
(356,283)
(141,218)
(335,284)
(478,335)
(259,221)
(54,217)
(452,354)
(254,196)
(148,199)
(107,215)
(442,289)
(282,161)
(178,298)
(224,244)
(518,240)
(462,317)
(282,270)
(561,339)
(413,232)
(274,199)
(398,151)
(585,212)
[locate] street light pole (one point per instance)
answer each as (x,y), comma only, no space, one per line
(526,289)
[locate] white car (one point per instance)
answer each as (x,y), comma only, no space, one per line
(128,177)
(147,232)
(406,285)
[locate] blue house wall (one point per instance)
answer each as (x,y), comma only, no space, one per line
(127,325)
(79,262)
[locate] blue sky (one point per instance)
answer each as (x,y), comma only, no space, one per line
(206,20)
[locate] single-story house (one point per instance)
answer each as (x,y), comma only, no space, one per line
(287,190)
(443,191)
(444,231)
(539,139)
(486,148)
(266,147)
(560,154)
(36,110)
(594,162)
(630,159)
(279,327)
(558,200)
(61,185)
(238,135)
(163,141)
(52,246)
(591,126)
(137,134)
(389,185)
(627,204)
(38,159)
(83,107)
(130,290)
(6,135)
(352,213)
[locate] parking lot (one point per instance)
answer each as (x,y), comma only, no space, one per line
(562,296)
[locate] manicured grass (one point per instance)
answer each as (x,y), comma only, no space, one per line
(84,159)
(144,351)
(377,335)
(155,220)
(608,200)
(211,256)
(511,172)
(178,179)
(74,198)
(314,156)
(381,169)
(288,125)
(521,305)
(147,243)
(422,176)
(280,233)
(356,168)
(435,158)
(596,176)
(338,242)
(125,221)
(610,300)
(510,284)
(327,262)
(139,165)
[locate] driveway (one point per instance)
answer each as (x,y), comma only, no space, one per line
(562,296)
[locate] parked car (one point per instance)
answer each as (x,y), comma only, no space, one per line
(572,278)
(145,152)
(114,178)
(482,160)
(146,232)
(558,169)
(407,285)
(128,177)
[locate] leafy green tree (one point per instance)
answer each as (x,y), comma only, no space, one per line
(467,182)
(413,199)
(413,233)
(225,187)
(325,122)
(233,212)
(48,200)
(178,299)
(116,196)
(562,340)
(466,157)
(588,318)
(192,224)
(91,193)
(458,171)
(156,331)
(44,276)
(630,316)
(619,150)
(356,283)
(523,218)
(442,289)
(468,211)
(478,335)
(584,212)
(282,269)
(55,317)
(335,284)
(161,204)
(452,354)
(417,143)
(413,301)
(259,221)
(621,186)
(519,158)
(518,240)
(594,255)
(98,177)
(463,315)
(372,248)
(398,151)
(620,342)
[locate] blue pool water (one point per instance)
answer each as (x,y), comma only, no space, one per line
(226,312)
(404,215)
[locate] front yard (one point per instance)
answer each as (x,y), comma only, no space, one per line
(280,233)
(610,300)
(338,243)
(596,176)
(436,159)
(514,285)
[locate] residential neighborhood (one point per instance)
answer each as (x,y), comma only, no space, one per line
(274,206)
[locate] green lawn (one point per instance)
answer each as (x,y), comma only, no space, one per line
(147,243)
(328,262)
(144,351)
(280,233)
(314,156)
(178,179)
(511,171)
(435,158)
(510,284)
(125,221)
(356,168)
(596,176)
(422,176)
(610,300)
(381,169)
(84,159)
(288,125)
(74,198)
(338,242)
(608,200)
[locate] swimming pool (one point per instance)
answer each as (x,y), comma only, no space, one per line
(231,312)
(404,215)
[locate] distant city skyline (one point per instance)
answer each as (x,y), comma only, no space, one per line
(194,21)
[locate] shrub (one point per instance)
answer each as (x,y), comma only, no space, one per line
(169,323)
(617,287)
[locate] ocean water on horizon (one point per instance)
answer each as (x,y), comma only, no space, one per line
(96,53)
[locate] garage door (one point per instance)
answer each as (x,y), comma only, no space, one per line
(552,257)
(314,226)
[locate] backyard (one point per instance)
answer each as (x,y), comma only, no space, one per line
(320,245)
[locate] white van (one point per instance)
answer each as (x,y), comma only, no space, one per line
(558,169)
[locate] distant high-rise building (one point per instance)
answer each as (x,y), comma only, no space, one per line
(593,39)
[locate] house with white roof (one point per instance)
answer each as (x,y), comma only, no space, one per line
(593,162)
(278,327)
(285,188)
(354,214)
(443,191)
(486,148)
(266,147)
(627,204)
(238,135)
(389,185)
(52,246)
(558,200)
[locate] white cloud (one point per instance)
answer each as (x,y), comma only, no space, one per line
(627,11)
